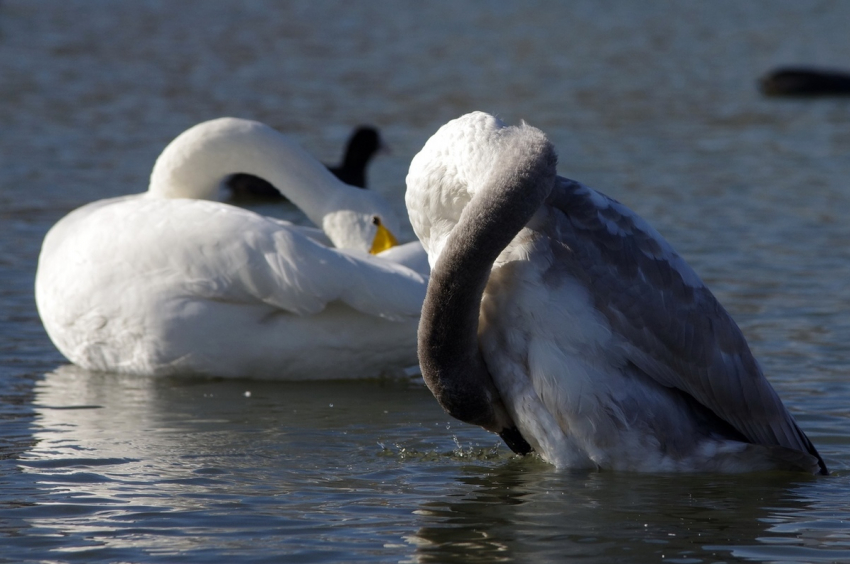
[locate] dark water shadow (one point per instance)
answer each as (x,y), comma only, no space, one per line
(526,508)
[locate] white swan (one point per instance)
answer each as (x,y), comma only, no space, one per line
(561,320)
(167,282)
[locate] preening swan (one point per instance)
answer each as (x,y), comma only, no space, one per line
(558,318)
(168,282)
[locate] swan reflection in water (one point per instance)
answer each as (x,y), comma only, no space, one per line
(137,465)
(180,463)
(522,510)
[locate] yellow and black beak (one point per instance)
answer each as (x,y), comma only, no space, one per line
(383,238)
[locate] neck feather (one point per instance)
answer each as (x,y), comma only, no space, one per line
(503,203)
(197,161)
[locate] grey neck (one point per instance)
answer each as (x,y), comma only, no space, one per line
(449,355)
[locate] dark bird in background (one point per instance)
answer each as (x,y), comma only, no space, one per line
(364,142)
(361,147)
(805,81)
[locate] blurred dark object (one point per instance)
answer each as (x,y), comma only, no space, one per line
(361,147)
(364,142)
(249,187)
(802,81)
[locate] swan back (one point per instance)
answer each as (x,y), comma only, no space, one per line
(196,163)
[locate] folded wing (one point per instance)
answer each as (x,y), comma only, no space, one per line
(667,322)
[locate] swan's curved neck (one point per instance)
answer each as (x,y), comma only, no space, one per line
(449,355)
(197,161)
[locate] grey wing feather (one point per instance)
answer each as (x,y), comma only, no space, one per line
(670,325)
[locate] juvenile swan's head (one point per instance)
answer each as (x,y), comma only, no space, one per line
(456,162)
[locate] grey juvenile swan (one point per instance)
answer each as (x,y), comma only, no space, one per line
(559,319)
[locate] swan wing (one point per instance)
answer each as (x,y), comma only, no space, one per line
(664,319)
(290,269)
(208,250)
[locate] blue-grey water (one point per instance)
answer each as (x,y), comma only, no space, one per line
(654,103)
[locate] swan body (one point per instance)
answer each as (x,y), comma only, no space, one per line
(558,318)
(170,282)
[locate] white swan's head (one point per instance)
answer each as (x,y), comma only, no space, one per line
(452,165)
(364,222)
(196,163)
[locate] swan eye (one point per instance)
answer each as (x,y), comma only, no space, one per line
(376,220)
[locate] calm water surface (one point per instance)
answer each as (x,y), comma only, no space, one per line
(653,103)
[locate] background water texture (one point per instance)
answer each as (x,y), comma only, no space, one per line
(654,103)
